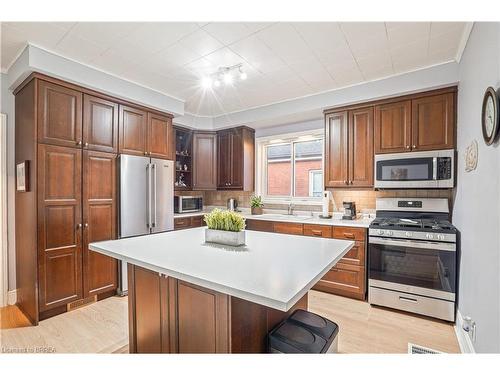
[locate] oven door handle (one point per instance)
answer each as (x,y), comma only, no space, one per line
(445,246)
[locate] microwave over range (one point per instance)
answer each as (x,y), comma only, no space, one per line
(415,170)
(187,203)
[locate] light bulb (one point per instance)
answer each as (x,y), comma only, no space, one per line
(216,83)
(206,82)
(228,78)
(243,76)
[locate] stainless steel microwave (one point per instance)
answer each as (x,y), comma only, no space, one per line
(187,203)
(415,170)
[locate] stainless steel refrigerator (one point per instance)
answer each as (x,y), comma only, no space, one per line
(146,200)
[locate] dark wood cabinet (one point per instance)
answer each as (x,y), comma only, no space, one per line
(349,148)
(336,149)
(288,228)
(361,147)
(235,155)
(393,127)
(99,221)
(433,122)
(59,115)
(186,222)
(100,124)
(59,226)
(204,161)
(160,136)
(315,230)
(345,280)
(133,131)
(259,225)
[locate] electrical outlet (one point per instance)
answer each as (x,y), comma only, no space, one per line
(469,326)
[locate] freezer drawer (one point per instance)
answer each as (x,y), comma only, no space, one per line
(433,307)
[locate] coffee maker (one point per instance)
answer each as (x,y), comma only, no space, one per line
(349,210)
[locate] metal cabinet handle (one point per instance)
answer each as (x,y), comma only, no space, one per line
(349,235)
(406,299)
(346,182)
(79,143)
(350,182)
(148,196)
(407,146)
(79,226)
(86,144)
(415,146)
(154,195)
(86,225)
(316,232)
(145,153)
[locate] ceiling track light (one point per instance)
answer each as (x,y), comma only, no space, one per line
(225,74)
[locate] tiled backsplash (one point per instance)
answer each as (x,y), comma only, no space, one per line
(365,199)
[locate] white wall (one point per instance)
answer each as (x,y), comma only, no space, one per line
(477,203)
(7,107)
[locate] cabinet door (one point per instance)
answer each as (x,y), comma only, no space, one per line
(361,147)
(59,226)
(393,127)
(336,150)
(59,115)
(224,156)
(237,156)
(160,136)
(99,218)
(288,228)
(100,124)
(433,120)
(345,280)
(205,161)
(133,131)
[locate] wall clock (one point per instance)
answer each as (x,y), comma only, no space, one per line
(490,115)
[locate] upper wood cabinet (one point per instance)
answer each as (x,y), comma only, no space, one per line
(146,133)
(160,136)
(349,148)
(204,161)
(433,122)
(133,130)
(100,272)
(59,115)
(393,127)
(422,122)
(361,147)
(100,124)
(236,159)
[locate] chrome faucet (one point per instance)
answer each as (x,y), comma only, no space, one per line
(290,208)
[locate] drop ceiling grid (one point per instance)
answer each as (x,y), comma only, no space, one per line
(282,60)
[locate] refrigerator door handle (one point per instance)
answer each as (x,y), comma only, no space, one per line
(153,166)
(148,195)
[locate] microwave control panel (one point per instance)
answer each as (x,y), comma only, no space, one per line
(444,168)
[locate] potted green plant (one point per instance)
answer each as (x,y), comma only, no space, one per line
(225,227)
(256,205)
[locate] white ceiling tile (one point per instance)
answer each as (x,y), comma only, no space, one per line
(178,54)
(442,55)
(200,43)
(159,35)
(79,49)
(227,32)
(224,57)
(438,28)
(376,71)
(345,77)
(399,33)
(416,50)
(443,42)
(284,40)
(379,59)
(363,30)
(258,54)
(44,34)
(257,26)
(104,33)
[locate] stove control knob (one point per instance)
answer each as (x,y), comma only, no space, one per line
(408,234)
(380,231)
(440,237)
(390,233)
(429,236)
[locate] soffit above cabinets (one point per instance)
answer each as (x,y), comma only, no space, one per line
(282,60)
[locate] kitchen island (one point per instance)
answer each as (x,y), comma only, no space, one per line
(188,296)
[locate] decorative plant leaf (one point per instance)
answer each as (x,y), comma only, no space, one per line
(256,201)
(225,220)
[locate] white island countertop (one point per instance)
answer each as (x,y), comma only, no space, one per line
(273,270)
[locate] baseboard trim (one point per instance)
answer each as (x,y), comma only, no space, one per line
(12,297)
(464,340)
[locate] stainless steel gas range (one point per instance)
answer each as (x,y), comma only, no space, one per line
(413,257)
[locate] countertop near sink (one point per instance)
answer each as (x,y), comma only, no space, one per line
(275,215)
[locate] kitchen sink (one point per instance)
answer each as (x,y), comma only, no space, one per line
(286,217)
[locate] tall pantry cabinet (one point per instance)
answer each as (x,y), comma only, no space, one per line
(69,137)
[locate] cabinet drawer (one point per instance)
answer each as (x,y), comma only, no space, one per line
(260,225)
(344,279)
(182,223)
(288,228)
(356,255)
(318,230)
(349,233)
(197,221)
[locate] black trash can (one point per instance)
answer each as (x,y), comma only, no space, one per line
(304,332)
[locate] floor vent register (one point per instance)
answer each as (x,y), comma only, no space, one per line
(417,349)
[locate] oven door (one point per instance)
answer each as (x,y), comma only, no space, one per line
(418,267)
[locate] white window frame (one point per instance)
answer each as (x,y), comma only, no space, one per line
(261,165)
(312,172)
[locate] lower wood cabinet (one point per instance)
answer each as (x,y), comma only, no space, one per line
(188,222)
(167,315)
(348,277)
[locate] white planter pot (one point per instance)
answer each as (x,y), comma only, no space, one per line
(225,237)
